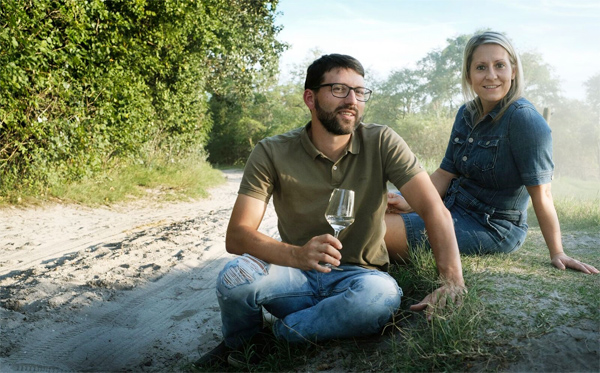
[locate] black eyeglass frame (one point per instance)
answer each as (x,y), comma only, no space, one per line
(367,94)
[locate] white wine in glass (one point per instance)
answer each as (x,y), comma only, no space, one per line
(340,212)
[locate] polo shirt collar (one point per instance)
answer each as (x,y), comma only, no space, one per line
(353,147)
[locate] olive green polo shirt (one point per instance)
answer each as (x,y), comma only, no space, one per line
(300,179)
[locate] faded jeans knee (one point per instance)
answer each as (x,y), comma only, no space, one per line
(243,270)
(237,292)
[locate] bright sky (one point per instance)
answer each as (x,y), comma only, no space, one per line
(391,34)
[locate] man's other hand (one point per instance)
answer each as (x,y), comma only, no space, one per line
(436,302)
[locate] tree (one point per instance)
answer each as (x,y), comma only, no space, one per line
(441,71)
(575,140)
(592,90)
(240,121)
(541,86)
(298,70)
(399,95)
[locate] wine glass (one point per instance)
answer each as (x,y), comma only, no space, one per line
(340,212)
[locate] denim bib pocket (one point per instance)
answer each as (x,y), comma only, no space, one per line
(484,156)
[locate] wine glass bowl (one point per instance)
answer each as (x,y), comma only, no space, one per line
(340,211)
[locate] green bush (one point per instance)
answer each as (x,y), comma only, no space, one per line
(241,122)
(86,83)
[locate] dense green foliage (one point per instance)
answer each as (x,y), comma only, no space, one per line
(87,84)
(240,121)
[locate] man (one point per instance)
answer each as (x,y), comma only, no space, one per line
(300,169)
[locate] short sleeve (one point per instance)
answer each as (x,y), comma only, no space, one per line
(448,160)
(531,146)
(401,164)
(259,176)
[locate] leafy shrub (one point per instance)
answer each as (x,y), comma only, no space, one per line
(241,122)
(85,83)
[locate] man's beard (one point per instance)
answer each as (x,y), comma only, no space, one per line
(331,123)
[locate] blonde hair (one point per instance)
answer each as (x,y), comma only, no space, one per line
(516,87)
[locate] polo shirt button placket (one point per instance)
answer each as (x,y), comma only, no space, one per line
(336,177)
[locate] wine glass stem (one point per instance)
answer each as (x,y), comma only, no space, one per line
(336,233)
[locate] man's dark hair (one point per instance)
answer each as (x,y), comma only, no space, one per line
(316,71)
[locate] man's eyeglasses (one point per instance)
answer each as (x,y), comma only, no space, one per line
(340,90)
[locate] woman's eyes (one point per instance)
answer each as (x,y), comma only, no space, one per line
(499,65)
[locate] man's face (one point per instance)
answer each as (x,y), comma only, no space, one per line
(339,116)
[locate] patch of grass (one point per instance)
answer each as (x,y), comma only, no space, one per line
(447,343)
(579,214)
(418,277)
(527,298)
(162,179)
(573,213)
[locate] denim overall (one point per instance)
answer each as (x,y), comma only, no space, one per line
(494,162)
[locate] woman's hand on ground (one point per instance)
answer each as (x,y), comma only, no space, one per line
(563,261)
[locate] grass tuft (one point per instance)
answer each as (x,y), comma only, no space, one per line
(161,179)
(448,341)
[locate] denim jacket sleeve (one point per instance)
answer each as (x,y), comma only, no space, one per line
(530,142)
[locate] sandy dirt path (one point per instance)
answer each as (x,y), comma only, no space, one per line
(113,289)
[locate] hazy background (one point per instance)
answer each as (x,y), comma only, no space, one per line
(412,51)
(393,34)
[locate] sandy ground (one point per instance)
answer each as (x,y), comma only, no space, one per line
(131,288)
(113,289)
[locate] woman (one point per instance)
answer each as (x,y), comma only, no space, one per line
(499,154)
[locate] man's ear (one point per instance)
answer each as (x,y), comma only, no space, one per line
(309,98)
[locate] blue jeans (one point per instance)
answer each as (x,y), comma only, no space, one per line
(310,305)
(479,228)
